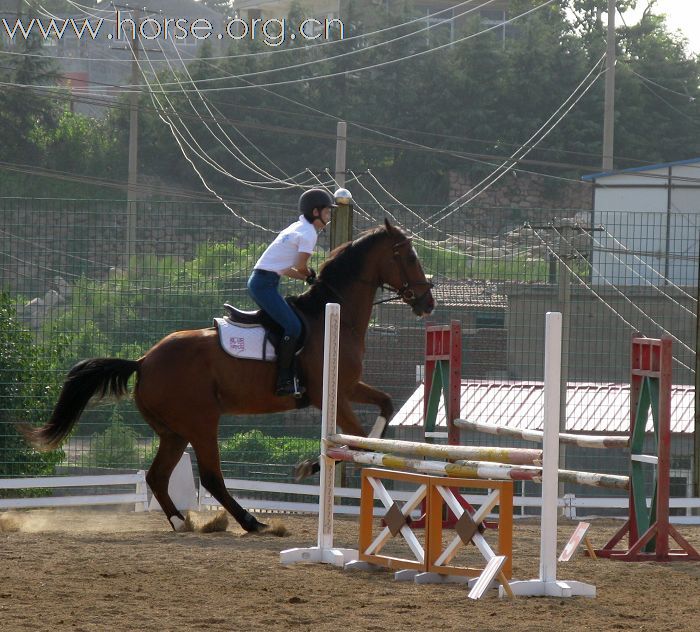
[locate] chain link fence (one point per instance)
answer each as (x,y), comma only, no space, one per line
(69,292)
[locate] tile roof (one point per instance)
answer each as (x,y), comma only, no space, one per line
(597,407)
(469,293)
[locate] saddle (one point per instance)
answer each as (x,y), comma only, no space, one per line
(259,318)
(254,335)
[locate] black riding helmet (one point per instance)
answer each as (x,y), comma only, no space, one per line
(312,199)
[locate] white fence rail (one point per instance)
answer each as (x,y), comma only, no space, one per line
(251,503)
(250,495)
(139,496)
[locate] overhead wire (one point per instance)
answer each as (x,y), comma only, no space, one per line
(417,19)
(179,142)
(81,95)
(361,68)
(628,252)
(507,165)
(687,117)
(434,244)
(323,60)
(643,278)
(658,85)
(610,284)
(314,45)
(201,153)
(379,204)
(100,102)
(357,209)
(582,282)
(288,182)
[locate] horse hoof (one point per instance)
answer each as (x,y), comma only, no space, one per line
(178,524)
(306,468)
(253,525)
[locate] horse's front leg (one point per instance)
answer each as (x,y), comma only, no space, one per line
(366,394)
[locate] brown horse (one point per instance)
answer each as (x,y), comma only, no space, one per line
(186,381)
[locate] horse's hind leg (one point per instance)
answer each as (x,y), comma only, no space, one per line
(169,452)
(207,451)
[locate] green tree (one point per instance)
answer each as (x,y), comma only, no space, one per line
(79,144)
(25,110)
(479,98)
(26,383)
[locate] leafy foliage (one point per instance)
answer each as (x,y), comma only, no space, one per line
(257,447)
(125,314)
(479,97)
(117,446)
(26,383)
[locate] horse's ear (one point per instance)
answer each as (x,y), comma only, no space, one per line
(389,227)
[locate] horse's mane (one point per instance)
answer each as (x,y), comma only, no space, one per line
(344,263)
(343,266)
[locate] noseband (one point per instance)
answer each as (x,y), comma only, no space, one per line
(405,292)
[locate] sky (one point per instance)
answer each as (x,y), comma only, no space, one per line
(683,15)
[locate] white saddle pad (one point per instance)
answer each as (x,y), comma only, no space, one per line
(244,341)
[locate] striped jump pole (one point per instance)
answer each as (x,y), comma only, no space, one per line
(325,552)
(515,456)
(584,441)
(475,469)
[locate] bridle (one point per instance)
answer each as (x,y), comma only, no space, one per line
(405,292)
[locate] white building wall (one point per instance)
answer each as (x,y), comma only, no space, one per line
(648,235)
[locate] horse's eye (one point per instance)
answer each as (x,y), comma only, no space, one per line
(412,259)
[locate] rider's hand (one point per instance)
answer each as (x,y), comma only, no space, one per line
(311,277)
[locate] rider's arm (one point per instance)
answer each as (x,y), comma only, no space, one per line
(300,269)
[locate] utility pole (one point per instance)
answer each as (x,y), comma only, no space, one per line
(132,187)
(609,108)
(696,436)
(341,226)
(567,253)
(566,257)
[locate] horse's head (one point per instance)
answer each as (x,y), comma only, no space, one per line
(402,271)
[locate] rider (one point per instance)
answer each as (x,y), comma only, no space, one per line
(288,255)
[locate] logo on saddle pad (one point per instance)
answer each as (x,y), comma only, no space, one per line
(250,342)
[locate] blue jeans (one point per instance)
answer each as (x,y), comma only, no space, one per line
(263,287)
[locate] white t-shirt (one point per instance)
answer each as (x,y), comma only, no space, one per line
(282,253)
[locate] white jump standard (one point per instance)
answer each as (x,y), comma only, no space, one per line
(547,583)
(324,551)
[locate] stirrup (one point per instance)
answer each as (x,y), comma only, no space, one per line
(290,387)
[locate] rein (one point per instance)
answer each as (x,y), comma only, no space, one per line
(388,288)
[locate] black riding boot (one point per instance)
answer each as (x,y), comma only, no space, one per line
(287,381)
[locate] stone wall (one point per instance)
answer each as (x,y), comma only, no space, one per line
(520,193)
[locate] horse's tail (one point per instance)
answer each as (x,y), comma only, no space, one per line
(99,376)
